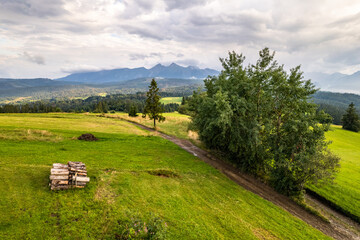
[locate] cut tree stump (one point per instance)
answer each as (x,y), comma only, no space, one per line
(71,175)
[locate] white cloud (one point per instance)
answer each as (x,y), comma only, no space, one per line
(101,34)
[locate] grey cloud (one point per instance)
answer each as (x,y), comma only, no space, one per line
(147,32)
(135,57)
(188,62)
(38,8)
(34,58)
(345,57)
(182,4)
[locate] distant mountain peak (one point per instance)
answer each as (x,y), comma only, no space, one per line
(123,74)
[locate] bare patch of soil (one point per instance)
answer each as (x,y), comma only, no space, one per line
(163,173)
(87,137)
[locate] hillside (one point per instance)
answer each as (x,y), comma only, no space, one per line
(345,192)
(134,175)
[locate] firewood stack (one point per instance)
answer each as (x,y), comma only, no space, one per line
(71,175)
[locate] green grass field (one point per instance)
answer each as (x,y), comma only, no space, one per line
(346,190)
(176,124)
(197,202)
(167,100)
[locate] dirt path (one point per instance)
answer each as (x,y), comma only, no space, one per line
(335,229)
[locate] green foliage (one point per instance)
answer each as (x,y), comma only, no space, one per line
(153,107)
(101,107)
(260,115)
(350,119)
(154,228)
(133,111)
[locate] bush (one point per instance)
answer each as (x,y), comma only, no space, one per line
(136,228)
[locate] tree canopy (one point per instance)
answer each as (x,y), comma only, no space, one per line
(261,118)
(153,107)
(350,119)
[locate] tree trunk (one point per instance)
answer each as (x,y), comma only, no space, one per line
(154,123)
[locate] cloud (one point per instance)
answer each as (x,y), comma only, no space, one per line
(79,68)
(36,8)
(137,56)
(104,34)
(182,4)
(34,58)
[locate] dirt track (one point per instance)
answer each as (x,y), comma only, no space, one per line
(338,228)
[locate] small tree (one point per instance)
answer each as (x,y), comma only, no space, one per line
(350,119)
(153,106)
(133,111)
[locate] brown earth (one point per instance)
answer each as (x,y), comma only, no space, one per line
(87,137)
(338,226)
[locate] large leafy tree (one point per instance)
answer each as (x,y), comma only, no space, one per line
(153,107)
(350,119)
(261,117)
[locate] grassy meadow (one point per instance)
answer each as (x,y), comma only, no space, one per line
(195,201)
(167,100)
(176,124)
(345,192)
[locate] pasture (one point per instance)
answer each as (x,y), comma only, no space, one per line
(134,175)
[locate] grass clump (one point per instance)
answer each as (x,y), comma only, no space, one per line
(163,173)
(29,135)
(136,228)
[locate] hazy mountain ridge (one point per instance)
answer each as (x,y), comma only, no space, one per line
(124,74)
(336,82)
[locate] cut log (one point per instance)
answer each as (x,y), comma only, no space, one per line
(59,172)
(77,170)
(72,175)
(59,182)
(59,165)
(81,179)
(59,177)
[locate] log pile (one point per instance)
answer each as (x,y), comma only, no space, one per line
(71,175)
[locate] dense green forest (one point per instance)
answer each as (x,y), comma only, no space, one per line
(115,102)
(335,104)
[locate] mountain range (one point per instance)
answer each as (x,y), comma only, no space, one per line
(127,80)
(122,80)
(124,74)
(336,82)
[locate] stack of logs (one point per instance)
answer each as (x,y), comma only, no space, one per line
(71,175)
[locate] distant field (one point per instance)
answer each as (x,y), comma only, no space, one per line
(167,100)
(346,190)
(175,124)
(198,202)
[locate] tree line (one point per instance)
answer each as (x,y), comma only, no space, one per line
(97,104)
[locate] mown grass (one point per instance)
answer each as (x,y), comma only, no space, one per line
(167,100)
(175,124)
(196,201)
(345,192)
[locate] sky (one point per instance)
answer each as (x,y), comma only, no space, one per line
(51,39)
